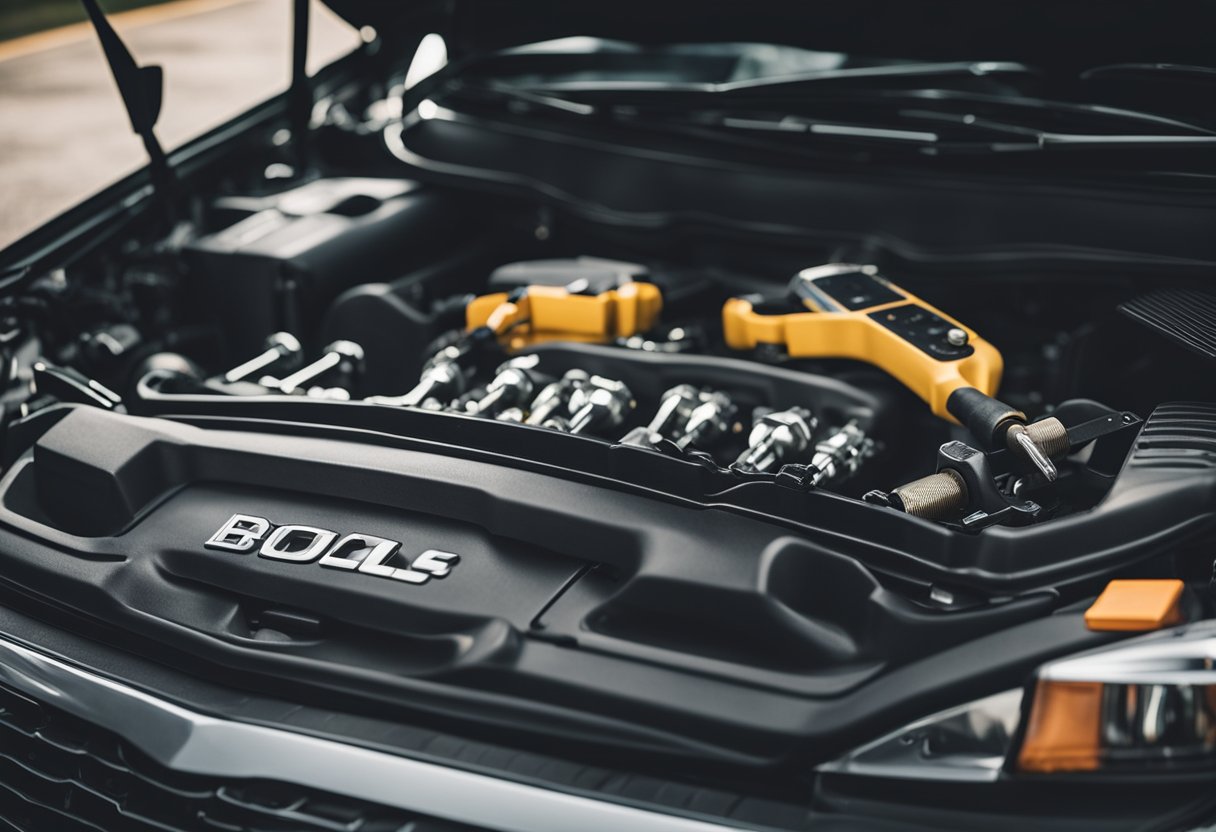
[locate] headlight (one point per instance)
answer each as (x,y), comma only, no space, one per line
(1143,705)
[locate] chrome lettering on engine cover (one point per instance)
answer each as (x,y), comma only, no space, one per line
(362,553)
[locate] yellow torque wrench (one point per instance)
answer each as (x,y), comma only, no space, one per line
(851,311)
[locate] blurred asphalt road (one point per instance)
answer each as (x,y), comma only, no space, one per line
(63,131)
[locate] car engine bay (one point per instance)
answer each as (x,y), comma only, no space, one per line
(602,474)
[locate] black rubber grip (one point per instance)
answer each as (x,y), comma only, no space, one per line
(987,418)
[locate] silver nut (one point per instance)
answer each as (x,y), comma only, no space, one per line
(346,349)
(284,342)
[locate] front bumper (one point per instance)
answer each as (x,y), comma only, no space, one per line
(229,766)
(220,759)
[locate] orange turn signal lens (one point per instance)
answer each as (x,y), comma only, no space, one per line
(1064,731)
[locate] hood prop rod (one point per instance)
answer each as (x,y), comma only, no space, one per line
(300,95)
(142,89)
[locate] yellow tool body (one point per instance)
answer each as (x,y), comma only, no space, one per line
(553,313)
(854,313)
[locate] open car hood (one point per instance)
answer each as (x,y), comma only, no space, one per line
(1050,33)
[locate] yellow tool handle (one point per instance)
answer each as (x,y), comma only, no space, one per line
(901,334)
(549,313)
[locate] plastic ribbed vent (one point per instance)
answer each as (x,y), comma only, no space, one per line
(1185,316)
(1178,435)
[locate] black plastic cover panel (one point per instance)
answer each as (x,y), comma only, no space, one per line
(571,608)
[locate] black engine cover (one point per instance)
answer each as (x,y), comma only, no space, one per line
(571,608)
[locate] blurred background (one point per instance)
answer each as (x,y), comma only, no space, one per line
(64,134)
